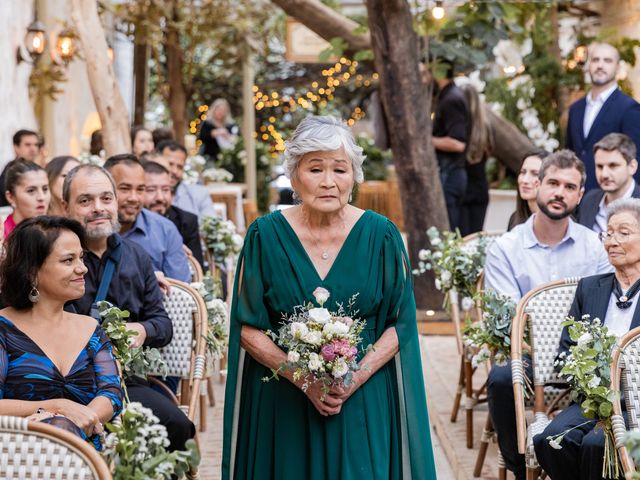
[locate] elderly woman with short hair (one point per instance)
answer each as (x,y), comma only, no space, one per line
(378,427)
(613,298)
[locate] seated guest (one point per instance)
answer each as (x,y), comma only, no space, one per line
(89,196)
(528,183)
(192,198)
(27,192)
(141,140)
(54,365)
(548,246)
(56,170)
(26,145)
(615,159)
(158,199)
(582,452)
(158,235)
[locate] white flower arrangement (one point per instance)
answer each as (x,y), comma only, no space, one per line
(221,238)
(217,316)
(137,445)
(321,346)
(216,175)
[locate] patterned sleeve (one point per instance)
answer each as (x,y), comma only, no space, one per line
(4,363)
(106,370)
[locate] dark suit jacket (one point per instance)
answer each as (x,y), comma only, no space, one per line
(590,204)
(187,225)
(620,113)
(592,298)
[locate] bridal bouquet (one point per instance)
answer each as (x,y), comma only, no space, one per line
(321,345)
(587,370)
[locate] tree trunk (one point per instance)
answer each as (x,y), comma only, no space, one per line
(140,74)
(104,86)
(509,145)
(326,22)
(407,105)
(177,90)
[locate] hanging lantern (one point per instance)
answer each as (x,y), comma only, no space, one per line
(65,45)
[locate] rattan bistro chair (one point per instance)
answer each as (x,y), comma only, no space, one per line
(465,380)
(195,269)
(543,309)
(36,450)
(185,356)
(625,380)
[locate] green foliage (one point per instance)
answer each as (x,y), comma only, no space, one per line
(336,48)
(134,361)
(491,335)
(137,448)
(217,315)
(375,166)
(220,238)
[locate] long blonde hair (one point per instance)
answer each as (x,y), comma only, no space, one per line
(217,103)
(480,140)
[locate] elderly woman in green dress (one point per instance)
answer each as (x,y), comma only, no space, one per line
(377,427)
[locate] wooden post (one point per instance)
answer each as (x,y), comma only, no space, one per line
(140,74)
(104,86)
(249,124)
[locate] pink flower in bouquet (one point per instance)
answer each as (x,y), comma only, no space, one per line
(321,295)
(328,352)
(343,348)
(348,321)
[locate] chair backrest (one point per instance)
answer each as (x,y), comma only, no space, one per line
(625,379)
(41,451)
(195,269)
(543,309)
(188,315)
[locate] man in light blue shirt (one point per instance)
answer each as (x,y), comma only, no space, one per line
(549,246)
(156,234)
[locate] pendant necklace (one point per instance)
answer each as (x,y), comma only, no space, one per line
(325,253)
(625,299)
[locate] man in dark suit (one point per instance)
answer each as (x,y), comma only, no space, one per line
(615,160)
(159,197)
(601,296)
(605,109)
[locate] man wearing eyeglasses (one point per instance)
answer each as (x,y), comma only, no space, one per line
(616,164)
(548,246)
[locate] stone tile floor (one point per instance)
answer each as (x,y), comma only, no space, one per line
(453,459)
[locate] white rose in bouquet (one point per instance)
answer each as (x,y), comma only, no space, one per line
(299,330)
(313,338)
(340,368)
(315,363)
(319,315)
(335,328)
(321,295)
(584,339)
(293,356)
(467,303)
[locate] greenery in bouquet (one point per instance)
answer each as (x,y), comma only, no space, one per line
(491,335)
(134,361)
(136,447)
(632,442)
(217,315)
(321,346)
(456,265)
(221,238)
(587,370)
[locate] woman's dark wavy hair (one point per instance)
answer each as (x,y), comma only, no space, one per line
(26,250)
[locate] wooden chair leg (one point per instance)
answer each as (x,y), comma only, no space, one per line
(210,392)
(203,410)
(502,468)
(223,366)
(533,473)
(487,435)
(469,400)
(458,397)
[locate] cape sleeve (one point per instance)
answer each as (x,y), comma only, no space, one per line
(248,308)
(417,452)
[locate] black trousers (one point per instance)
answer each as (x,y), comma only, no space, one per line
(503,415)
(454,185)
(179,427)
(581,456)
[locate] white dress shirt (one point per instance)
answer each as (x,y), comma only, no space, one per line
(594,105)
(600,222)
(517,262)
(618,320)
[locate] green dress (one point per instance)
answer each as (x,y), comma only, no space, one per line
(271,430)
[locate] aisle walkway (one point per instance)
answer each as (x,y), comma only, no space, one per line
(211,440)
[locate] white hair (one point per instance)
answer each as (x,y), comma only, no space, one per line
(321,134)
(631,205)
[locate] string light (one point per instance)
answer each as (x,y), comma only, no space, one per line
(438,11)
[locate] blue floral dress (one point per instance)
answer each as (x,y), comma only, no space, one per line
(26,373)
